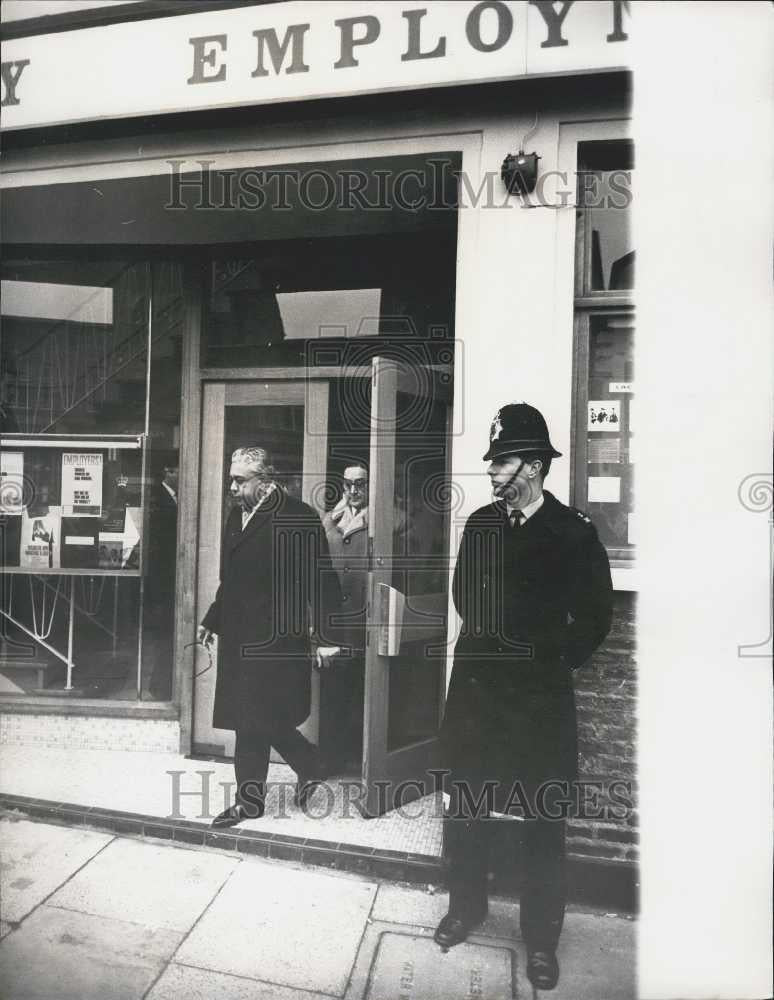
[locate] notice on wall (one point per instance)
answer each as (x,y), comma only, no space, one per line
(604,489)
(604,450)
(11,482)
(111,549)
(631,532)
(621,386)
(604,414)
(41,540)
(81,484)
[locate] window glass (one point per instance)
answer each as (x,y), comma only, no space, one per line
(605,181)
(272,308)
(610,430)
(89,489)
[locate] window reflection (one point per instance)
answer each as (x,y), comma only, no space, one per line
(74,362)
(605,192)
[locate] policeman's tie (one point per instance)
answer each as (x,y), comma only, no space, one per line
(516,518)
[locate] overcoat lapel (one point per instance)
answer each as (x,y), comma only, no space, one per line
(238,536)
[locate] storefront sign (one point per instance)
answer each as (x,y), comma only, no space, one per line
(299,51)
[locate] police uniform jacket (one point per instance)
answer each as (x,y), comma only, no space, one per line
(277,588)
(535,602)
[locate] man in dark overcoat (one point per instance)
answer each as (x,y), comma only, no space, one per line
(532,587)
(277,594)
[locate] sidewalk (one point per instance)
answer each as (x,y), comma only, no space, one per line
(89,915)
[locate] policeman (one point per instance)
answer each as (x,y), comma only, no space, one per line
(532,587)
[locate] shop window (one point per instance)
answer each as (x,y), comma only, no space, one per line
(605,430)
(90,431)
(357,251)
(272,308)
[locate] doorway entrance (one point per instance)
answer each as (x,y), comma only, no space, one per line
(390,420)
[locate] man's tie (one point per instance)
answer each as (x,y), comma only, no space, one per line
(516,517)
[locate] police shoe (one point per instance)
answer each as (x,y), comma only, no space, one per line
(454,929)
(542,969)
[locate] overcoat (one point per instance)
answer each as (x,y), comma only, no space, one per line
(535,602)
(349,555)
(277,591)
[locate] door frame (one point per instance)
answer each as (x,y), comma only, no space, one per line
(366,142)
(217,396)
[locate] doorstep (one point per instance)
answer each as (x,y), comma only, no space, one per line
(132,792)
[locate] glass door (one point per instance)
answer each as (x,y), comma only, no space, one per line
(289,419)
(409,524)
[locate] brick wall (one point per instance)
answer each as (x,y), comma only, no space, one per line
(605,691)
(90,732)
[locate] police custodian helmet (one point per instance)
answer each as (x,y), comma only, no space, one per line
(518,427)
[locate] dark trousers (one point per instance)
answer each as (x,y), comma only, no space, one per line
(341,713)
(251,758)
(544,889)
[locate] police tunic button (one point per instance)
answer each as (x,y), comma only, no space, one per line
(346,541)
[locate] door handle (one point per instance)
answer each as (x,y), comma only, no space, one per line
(391,606)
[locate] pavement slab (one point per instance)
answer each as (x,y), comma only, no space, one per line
(597,958)
(181,982)
(76,956)
(413,967)
(37,859)
(156,885)
(291,927)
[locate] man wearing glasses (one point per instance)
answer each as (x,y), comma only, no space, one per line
(277,594)
(342,688)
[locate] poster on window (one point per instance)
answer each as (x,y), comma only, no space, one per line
(11,482)
(82,484)
(41,539)
(604,415)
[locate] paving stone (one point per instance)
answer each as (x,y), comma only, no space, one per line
(152,884)
(597,957)
(37,859)
(293,927)
(181,982)
(413,967)
(75,956)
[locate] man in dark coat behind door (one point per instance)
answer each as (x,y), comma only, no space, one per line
(276,597)
(532,586)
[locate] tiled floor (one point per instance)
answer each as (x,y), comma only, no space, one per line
(164,785)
